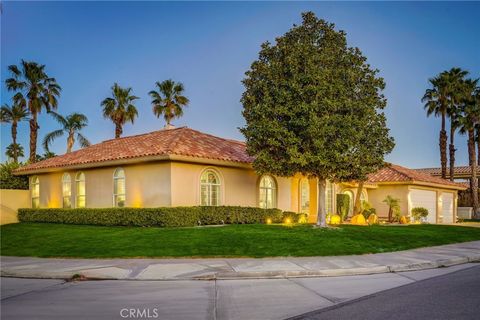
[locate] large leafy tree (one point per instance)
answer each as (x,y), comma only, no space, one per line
(13,115)
(71,126)
(169,100)
(311,105)
(120,108)
(35,91)
(469,120)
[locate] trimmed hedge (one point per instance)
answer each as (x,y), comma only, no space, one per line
(159,217)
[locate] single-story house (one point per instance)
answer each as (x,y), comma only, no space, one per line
(185,167)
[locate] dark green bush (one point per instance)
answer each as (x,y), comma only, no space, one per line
(343,205)
(294,217)
(8,180)
(160,217)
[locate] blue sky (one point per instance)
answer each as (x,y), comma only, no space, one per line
(87,46)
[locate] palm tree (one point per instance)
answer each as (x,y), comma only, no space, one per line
(454,80)
(35,91)
(13,115)
(393,206)
(71,125)
(468,122)
(169,100)
(14,151)
(120,108)
(436,103)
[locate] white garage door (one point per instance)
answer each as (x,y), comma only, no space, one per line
(447,207)
(426,199)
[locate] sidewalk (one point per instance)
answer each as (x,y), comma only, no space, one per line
(209,269)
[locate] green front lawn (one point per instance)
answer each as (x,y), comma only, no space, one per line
(57,240)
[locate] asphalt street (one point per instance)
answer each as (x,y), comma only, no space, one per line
(452,296)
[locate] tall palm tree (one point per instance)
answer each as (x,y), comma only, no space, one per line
(35,91)
(14,151)
(120,108)
(14,115)
(436,103)
(468,122)
(169,100)
(71,125)
(454,81)
(477,130)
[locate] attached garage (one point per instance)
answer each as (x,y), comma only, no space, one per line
(414,189)
(447,207)
(426,199)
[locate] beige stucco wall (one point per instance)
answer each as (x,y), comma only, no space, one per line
(376,197)
(10,202)
(239,186)
(147,185)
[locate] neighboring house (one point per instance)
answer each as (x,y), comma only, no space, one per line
(185,167)
(459,173)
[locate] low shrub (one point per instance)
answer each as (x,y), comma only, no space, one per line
(419,213)
(294,217)
(160,217)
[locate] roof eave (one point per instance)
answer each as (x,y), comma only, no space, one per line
(171,157)
(423,183)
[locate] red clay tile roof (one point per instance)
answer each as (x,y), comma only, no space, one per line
(461,170)
(396,173)
(180,141)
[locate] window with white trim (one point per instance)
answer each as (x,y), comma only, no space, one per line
(35,192)
(267,192)
(119,188)
(304,196)
(80,199)
(329,197)
(210,188)
(67,190)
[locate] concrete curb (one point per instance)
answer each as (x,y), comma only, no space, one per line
(278,274)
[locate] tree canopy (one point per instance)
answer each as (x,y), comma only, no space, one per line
(313,105)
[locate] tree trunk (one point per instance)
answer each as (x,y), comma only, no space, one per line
(14,140)
(478,154)
(321,210)
(118,130)
(390,214)
(33,138)
(473,168)
(452,151)
(443,148)
(70,141)
(357,208)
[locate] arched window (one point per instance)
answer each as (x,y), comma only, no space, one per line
(267,193)
(304,196)
(80,189)
(210,188)
(363,196)
(329,197)
(349,193)
(67,190)
(119,188)
(35,191)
